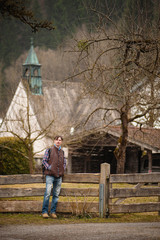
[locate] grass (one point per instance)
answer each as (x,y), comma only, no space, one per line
(35,218)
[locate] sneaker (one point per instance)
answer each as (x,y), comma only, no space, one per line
(45,215)
(53,215)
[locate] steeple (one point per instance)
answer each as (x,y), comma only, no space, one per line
(32,73)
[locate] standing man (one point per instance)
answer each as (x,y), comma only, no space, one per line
(55,164)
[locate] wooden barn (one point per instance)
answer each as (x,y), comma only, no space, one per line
(143,151)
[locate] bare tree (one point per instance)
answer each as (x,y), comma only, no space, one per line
(120,62)
(21,122)
(18,10)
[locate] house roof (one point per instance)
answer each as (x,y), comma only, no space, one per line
(147,138)
(62,107)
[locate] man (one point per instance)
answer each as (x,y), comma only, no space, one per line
(55,164)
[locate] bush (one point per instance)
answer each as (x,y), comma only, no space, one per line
(12,156)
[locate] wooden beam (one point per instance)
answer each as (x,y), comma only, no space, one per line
(80,192)
(82,178)
(135,208)
(131,192)
(37,178)
(30,192)
(36,206)
(20,179)
(21,192)
(104,190)
(159,199)
(149,153)
(135,178)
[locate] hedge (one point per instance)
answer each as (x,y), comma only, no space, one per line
(13,156)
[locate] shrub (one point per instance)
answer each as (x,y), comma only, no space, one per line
(13,156)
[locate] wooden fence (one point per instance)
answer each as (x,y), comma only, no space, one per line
(70,206)
(105,191)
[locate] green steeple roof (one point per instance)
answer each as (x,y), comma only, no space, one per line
(32,57)
(32,73)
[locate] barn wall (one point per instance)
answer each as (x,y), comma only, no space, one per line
(91,163)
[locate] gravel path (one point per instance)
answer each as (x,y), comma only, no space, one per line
(88,231)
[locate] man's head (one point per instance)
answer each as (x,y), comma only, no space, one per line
(58,141)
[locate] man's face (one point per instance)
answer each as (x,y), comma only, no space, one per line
(58,142)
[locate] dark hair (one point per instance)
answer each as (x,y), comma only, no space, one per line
(56,137)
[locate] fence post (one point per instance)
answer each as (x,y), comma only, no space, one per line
(104,190)
(159,199)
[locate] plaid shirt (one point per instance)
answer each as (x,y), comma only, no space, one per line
(46,159)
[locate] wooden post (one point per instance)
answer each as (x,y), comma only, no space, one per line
(149,153)
(69,164)
(104,190)
(159,199)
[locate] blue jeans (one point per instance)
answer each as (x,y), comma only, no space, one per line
(56,183)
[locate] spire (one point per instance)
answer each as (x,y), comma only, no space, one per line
(32,57)
(31,71)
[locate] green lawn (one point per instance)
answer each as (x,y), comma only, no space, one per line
(35,218)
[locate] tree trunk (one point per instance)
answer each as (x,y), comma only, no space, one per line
(31,165)
(120,151)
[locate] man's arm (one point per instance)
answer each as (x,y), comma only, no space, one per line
(46,159)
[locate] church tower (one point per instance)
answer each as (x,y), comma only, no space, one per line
(32,73)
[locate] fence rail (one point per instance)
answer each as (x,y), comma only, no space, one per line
(35,206)
(106,193)
(135,178)
(138,190)
(37,178)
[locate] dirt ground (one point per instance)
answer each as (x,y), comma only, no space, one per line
(85,231)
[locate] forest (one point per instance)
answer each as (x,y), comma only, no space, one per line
(67,17)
